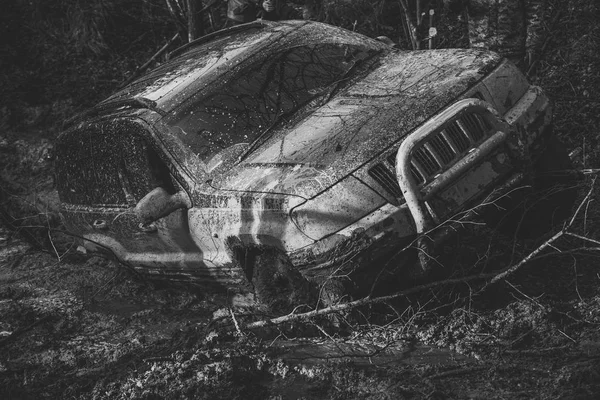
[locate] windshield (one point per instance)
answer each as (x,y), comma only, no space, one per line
(270,89)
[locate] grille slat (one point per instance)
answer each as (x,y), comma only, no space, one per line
(426,161)
(442,147)
(387,179)
(417,175)
(436,156)
(461,142)
(449,141)
(465,131)
(418,171)
(437,153)
(474,126)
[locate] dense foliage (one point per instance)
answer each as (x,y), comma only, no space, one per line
(60,56)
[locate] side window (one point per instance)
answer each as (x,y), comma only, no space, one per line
(259,95)
(142,170)
(109,164)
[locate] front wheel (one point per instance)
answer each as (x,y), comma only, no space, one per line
(534,211)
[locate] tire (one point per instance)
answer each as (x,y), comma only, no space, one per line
(278,285)
(537,210)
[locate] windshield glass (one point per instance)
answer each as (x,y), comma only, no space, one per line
(260,95)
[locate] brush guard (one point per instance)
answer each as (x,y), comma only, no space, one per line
(434,200)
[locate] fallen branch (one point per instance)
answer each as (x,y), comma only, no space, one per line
(456,372)
(508,271)
(364,301)
(538,351)
(491,277)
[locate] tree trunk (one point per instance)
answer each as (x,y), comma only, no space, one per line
(195,28)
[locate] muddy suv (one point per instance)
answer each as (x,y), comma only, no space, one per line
(272,158)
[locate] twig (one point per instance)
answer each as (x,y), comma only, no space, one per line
(567,336)
(141,69)
(412,31)
(584,238)
(53,246)
(535,62)
(508,271)
(527,297)
(361,302)
(158,359)
(324,332)
(106,284)
(537,351)
(22,331)
(235,323)
(521,337)
(456,372)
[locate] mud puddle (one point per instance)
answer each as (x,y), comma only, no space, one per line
(314,363)
(118,307)
(365,354)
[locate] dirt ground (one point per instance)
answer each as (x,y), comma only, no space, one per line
(78,326)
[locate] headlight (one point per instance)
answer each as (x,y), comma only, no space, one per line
(506,85)
(337,207)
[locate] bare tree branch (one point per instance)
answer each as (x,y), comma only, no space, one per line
(491,277)
(412,30)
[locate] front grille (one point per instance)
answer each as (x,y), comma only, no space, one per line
(437,153)
(385,175)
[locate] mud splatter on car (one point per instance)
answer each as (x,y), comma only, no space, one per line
(295,158)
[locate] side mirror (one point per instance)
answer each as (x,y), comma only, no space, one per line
(159,203)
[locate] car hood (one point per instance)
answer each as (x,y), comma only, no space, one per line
(360,123)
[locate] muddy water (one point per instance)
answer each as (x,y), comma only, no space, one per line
(358,353)
(363,353)
(293,352)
